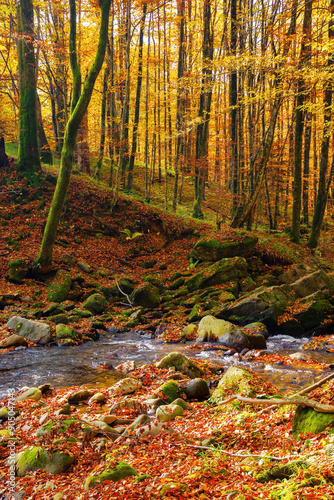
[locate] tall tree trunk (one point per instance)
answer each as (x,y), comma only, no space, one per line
(98,166)
(202,131)
(43,262)
(302,96)
(28,162)
(180,101)
(137,105)
(322,195)
(233,96)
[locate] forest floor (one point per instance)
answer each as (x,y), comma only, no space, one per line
(137,232)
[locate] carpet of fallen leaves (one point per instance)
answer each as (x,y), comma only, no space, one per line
(247,439)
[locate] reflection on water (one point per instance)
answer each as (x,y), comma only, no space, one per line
(80,365)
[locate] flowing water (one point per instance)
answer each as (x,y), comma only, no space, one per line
(81,365)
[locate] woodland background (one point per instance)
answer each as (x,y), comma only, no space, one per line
(233,95)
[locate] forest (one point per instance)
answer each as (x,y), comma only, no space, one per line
(166,249)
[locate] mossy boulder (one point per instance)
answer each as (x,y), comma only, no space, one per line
(146,296)
(13,341)
(17,272)
(181,363)
(306,420)
(211,250)
(36,458)
(60,286)
(167,413)
(264,306)
(196,313)
(121,471)
(224,271)
(281,471)
(37,331)
(317,309)
(173,488)
(239,381)
(211,329)
(313,282)
(65,333)
(95,303)
(31,393)
(171,390)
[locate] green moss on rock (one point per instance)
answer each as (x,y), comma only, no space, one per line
(171,390)
(60,286)
(121,471)
(307,420)
(36,458)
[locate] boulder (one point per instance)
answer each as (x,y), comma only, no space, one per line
(256,328)
(95,303)
(31,393)
(174,488)
(153,429)
(171,390)
(224,271)
(181,363)
(121,471)
(213,250)
(306,420)
(146,296)
(211,329)
(78,396)
(60,286)
(311,283)
(67,335)
(13,341)
(18,270)
(97,398)
(167,413)
(38,332)
(35,458)
(265,306)
(197,389)
(237,379)
(281,471)
(126,386)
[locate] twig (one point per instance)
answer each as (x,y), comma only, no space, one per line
(210,448)
(123,293)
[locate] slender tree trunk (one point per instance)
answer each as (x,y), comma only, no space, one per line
(137,104)
(202,131)
(79,106)
(180,104)
(302,96)
(322,195)
(28,162)
(99,162)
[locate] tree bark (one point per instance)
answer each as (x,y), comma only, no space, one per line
(302,96)
(28,162)
(43,262)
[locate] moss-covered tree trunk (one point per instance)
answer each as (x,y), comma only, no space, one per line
(79,106)
(28,162)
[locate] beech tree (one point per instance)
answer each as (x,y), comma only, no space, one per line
(79,105)
(28,162)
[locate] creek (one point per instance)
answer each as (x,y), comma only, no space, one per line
(85,364)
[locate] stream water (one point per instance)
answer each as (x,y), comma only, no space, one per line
(80,365)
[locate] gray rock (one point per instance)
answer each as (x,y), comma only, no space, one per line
(167,413)
(85,267)
(38,332)
(311,283)
(81,395)
(197,389)
(32,393)
(181,363)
